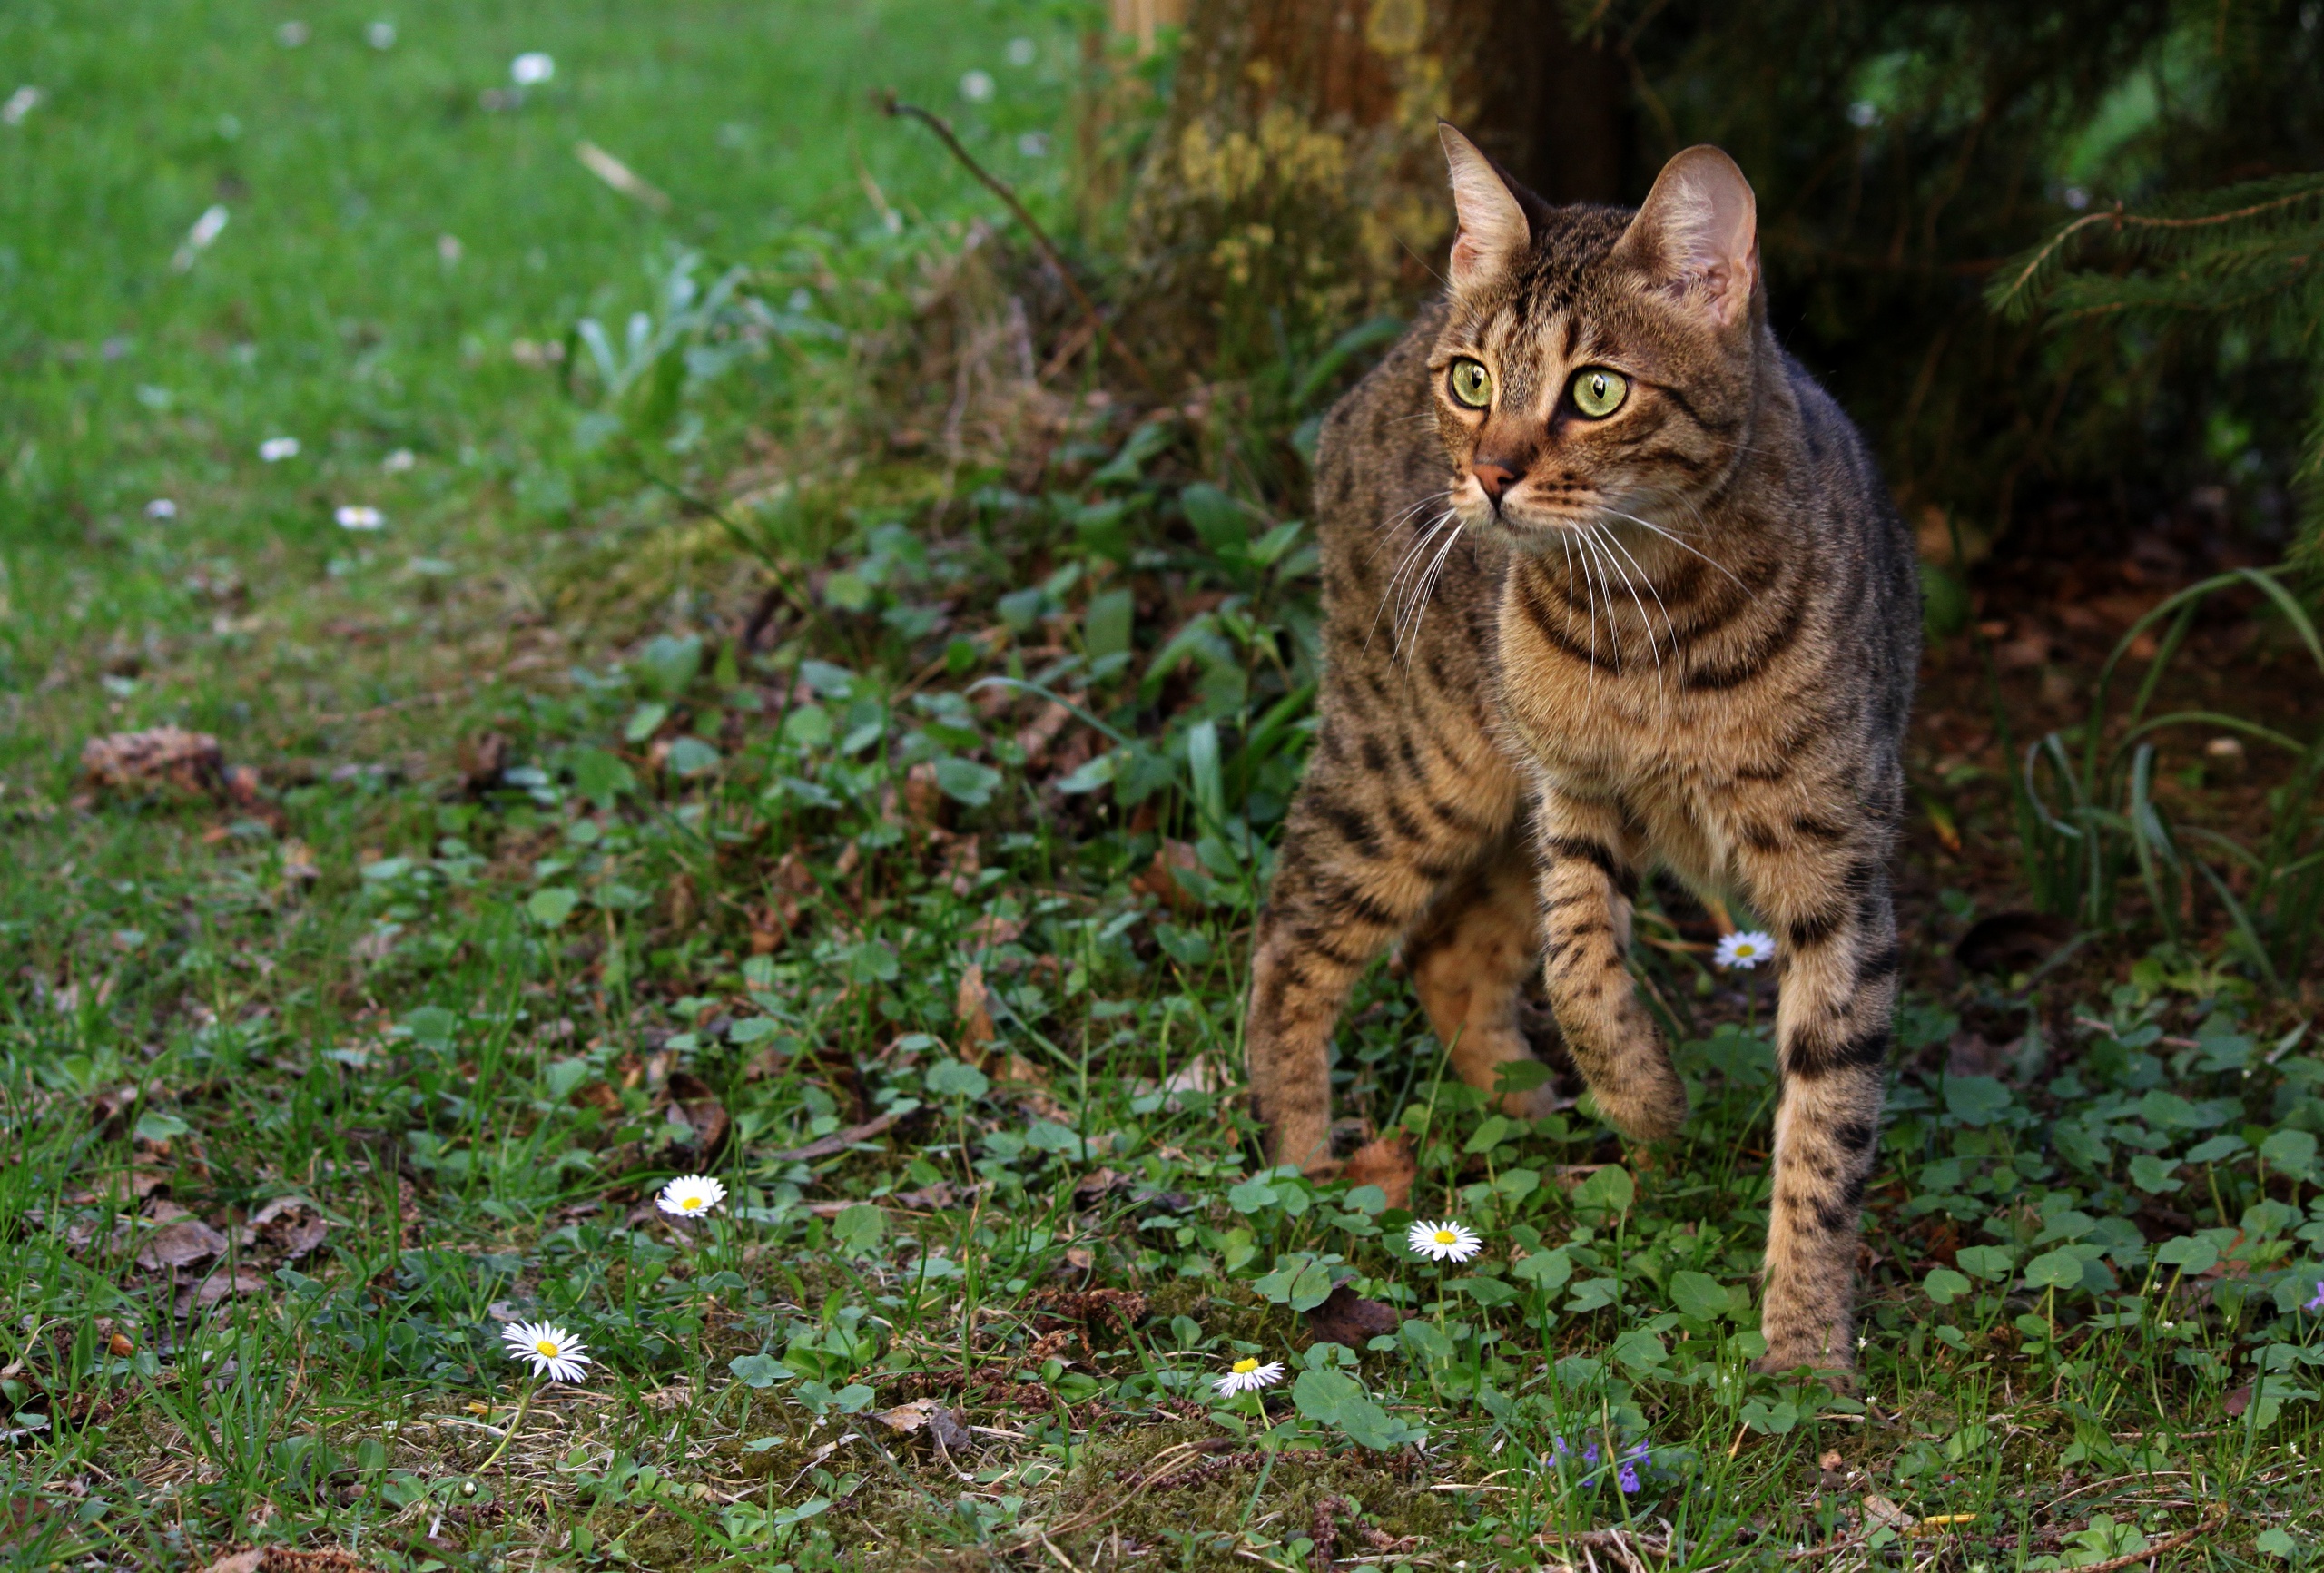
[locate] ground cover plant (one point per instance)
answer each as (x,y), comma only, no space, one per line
(736,695)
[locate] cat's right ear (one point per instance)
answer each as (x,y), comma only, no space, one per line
(1494,229)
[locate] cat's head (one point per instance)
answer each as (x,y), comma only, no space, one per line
(1594,362)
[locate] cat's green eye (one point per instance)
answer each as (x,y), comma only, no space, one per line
(1471,384)
(1597,392)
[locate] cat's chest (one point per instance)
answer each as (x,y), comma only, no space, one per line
(1625,717)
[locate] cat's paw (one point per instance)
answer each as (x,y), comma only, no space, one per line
(1836,1371)
(1649,1114)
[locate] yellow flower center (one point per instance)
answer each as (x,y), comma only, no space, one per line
(548,1351)
(691,1203)
(1446,1237)
(1246,1367)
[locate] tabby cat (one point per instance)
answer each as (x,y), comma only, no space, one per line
(1611,583)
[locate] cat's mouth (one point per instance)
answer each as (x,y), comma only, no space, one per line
(1528,523)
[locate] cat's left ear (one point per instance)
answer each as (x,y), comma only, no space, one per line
(1698,233)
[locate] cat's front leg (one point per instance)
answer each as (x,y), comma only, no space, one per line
(1837,931)
(1587,880)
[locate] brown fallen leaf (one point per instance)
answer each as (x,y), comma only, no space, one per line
(693,1101)
(292,1225)
(1880,1513)
(1387,1163)
(1161,880)
(286,1559)
(299,865)
(181,1244)
(1347,1318)
(162,756)
(970,1011)
(219,1284)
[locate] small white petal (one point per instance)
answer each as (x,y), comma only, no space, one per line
(690,1195)
(1745,948)
(531,68)
(275,449)
(359,516)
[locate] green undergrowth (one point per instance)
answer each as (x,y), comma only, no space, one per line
(673,786)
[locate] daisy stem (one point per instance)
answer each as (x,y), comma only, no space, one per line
(510,1434)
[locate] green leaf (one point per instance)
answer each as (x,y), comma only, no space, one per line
(431,1024)
(1976,1100)
(2153,1174)
(2275,1543)
(1489,1134)
(1252,1195)
(1546,1270)
(600,777)
(551,906)
(1990,1263)
(759,1370)
(2213,1150)
(808,726)
(2054,1269)
(1485,1292)
(644,721)
(2190,1254)
(859,1229)
(668,665)
(1944,1286)
(1609,1192)
(2290,1152)
(956,1078)
(1335,1399)
(690,756)
(1640,1350)
(1699,1295)
(153,1126)
(1298,1280)
(1106,627)
(966,781)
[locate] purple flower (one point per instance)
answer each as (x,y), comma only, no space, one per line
(1558,1450)
(1627,1477)
(1590,1455)
(2317,1303)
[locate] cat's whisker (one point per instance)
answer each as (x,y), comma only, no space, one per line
(1435,572)
(1646,623)
(1681,544)
(1420,544)
(1615,542)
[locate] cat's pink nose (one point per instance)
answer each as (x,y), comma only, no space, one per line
(1496,479)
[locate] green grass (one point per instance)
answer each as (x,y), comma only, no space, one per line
(700,906)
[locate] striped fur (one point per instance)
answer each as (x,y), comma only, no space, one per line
(1685,636)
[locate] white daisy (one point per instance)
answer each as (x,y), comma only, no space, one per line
(1746,948)
(976,87)
(556,1354)
(357,517)
(1445,1242)
(690,1195)
(162,508)
(381,35)
(21,103)
(531,68)
(1247,1375)
(275,449)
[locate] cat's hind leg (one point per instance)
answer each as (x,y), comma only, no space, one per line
(1383,822)
(1469,959)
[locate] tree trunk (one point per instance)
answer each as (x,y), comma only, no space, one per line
(1297,184)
